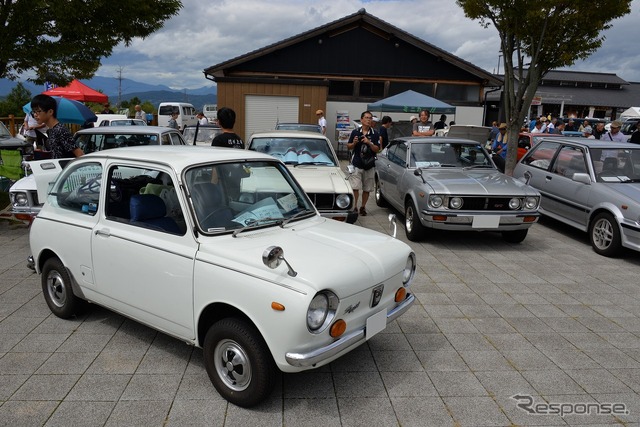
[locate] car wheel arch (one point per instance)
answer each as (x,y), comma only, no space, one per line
(215,312)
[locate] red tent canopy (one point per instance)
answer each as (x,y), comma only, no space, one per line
(79,92)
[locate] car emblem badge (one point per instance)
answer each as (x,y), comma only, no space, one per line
(351,308)
(376,295)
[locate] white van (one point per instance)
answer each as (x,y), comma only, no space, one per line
(186,114)
(210,111)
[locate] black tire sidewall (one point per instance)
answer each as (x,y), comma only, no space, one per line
(262,364)
(71,305)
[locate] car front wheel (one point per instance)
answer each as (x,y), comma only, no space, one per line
(514,236)
(56,287)
(238,362)
(605,235)
(412,225)
(380,201)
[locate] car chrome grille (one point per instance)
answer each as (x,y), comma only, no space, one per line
(322,200)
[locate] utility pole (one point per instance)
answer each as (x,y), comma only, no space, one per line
(119,71)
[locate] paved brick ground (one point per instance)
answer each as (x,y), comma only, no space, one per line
(547,318)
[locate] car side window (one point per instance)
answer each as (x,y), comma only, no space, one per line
(541,155)
(175,139)
(570,160)
(79,188)
(144,198)
(400,155)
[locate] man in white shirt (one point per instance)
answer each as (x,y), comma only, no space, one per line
(322,122)
(614,134)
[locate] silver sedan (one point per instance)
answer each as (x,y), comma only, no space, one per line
(590,185)
(452,184)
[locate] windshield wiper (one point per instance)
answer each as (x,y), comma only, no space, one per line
(478,166)
(313,163)
(299,214)
(256,223)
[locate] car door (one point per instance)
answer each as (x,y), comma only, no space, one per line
(143,262)
(570,198)
(393,169)
(534,168)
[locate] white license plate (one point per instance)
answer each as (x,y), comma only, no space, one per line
(486,221)
(376,323)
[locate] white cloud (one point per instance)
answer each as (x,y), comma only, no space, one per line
(208,33)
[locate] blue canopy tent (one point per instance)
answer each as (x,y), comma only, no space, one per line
(411,102)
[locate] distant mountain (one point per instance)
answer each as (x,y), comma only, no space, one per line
(129,89)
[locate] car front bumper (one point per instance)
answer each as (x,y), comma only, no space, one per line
(479,221)
(345,343)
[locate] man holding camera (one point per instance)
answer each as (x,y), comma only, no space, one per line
(364,143)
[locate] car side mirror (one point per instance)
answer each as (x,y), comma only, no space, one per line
(582,177)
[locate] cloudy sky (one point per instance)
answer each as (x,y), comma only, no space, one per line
(206,33)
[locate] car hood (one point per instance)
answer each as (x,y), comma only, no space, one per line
(629,190)
(474,182)
(357,255)
(321,179)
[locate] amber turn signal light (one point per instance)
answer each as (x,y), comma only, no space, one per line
(401,294)
(529,219)
(277,306)
(442,218)
(338,328)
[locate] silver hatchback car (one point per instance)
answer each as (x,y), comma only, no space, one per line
(591,185)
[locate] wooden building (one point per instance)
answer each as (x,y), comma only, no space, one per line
(344,64)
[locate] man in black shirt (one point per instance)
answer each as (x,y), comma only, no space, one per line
(228,138)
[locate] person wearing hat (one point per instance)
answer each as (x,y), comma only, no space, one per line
(413,119)
(588,132)
(322,122)
(499,147)
(614,134)
(543,121)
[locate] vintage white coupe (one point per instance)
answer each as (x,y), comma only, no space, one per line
(220,248)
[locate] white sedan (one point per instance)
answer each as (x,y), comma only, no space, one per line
(223,250)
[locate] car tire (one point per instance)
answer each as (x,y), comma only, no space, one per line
(238,362)
(380,200)
(604,235)
(412,225)
(57,291)
(514,236)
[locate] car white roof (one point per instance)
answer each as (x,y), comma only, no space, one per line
(178,156)
(288,134)
(144,130)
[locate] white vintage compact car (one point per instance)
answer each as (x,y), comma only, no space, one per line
(220,248)
(312,160)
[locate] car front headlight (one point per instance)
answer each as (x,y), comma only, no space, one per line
(514,203)
(19,199)
(435,201)
(321,311)
(409,269)
(343,201)
(455,202)
(531,203)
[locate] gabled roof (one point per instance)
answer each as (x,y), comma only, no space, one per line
(359,19)
(584,76)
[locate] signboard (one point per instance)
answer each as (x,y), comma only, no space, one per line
(537,100)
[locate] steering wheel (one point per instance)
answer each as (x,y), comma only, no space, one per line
(211,214)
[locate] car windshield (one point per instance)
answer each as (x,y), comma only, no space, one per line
(205,134)
(233,196)
(127,122)
(4,132)
(296,151)
(426,155)
(616,165)
(90,142)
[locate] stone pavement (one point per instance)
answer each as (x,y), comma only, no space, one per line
(547,318)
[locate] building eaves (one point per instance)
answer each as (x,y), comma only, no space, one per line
(218,70)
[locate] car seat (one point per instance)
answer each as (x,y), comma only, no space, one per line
(148,210)
(450,157)
(208,202)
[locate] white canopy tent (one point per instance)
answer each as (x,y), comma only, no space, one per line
(630,113)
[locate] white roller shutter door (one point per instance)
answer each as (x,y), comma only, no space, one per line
(264,112)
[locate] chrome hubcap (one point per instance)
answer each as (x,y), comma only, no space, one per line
(408,220)
(57,289)
(233,365)
(602,234)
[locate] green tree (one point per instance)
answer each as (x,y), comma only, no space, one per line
(59,40)
(536,37)
(13,103)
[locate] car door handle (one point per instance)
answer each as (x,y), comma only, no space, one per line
(548,178)
(104,232)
